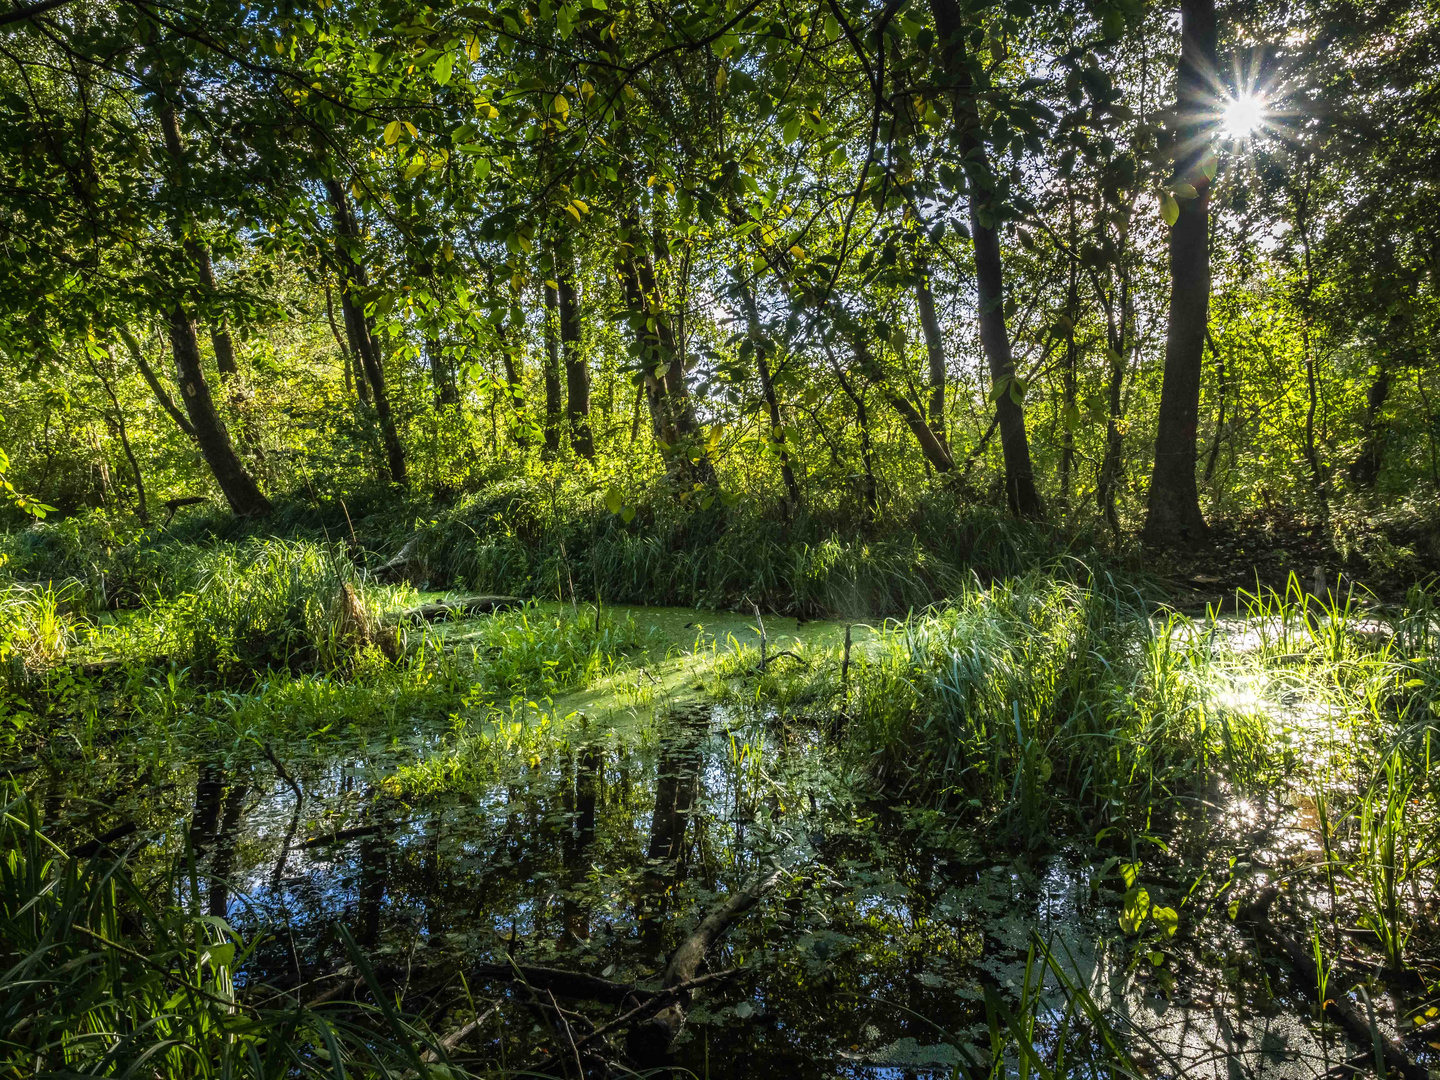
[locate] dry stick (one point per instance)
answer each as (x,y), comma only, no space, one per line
(761,623)
(456,1037)
(569,1035)
(283,774)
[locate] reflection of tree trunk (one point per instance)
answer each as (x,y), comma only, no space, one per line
(223,862)
(579,841)
(1173,516)
(1365,469)
(209,788)
(677,782)
(362,341)
(374,865)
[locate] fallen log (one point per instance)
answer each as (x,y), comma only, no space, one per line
(1356,1025)
(648,1043)
(340,837)
(444,609)
(570,984)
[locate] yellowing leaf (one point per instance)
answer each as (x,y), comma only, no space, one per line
(721,78)
(570,209)
(561,106)
(1169,208)
(416,167)
(553,284)
(797,251)
(392,132)
(581,205)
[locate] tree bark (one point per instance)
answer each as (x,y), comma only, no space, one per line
(554,407)
(362,342)
(672,413)
(1021,494)
(239,487)
(577,372)
(156,386)
(767,391)
(354,373)
(142,508)
(935,354)
(220,340)
(1173,517)
(1365,469)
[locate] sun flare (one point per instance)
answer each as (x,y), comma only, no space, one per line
(1243,115)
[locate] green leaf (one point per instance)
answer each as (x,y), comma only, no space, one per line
(1169,208)
(1135,907)
(1167,919)
(443,67)
(392,132)
(1185,191)
(613,501)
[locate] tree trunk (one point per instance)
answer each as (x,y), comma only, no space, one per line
(554,407)
(672,414)
(240,489)
(354,373)
(156,386)
(935,353)
(1173,517)
(362,342)
(1021,493)
(1069,409)
(142,508)
(1365,469)
(577,372)
(446,392)
(220,341)
(767,391)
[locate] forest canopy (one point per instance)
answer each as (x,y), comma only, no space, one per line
(1121,267)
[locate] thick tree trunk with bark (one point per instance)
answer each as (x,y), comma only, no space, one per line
(1021,492)
(239,486)
(362,341)
(577,372)
(1173,517)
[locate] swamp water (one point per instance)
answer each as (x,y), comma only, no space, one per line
(591,833)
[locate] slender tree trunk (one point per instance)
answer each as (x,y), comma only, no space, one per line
(142,508)
(354,373)
(1365,469)
(577,371)
(1173,517)
(239,486)
(1069,414)
(156,386)
(1021,492)
(1221,391)
(362,342)
(441,381)
(220,341)
(767,390)
(935,354)
(672,413)
(554,407)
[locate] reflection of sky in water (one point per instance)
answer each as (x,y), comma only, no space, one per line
(889,918)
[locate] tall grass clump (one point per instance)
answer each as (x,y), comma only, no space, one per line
(270,602)
(533,652)
(101,975)
(1034,700)
(512,539)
